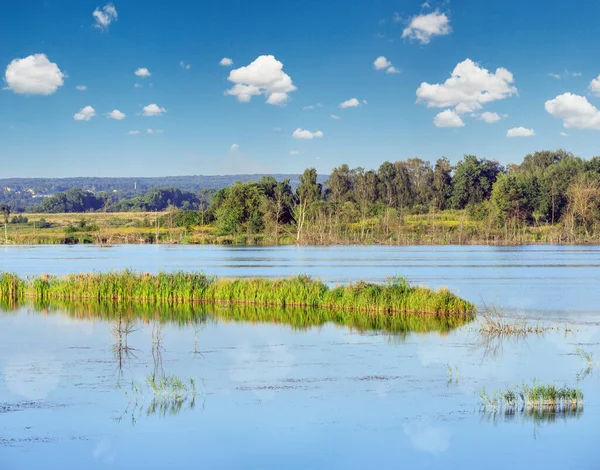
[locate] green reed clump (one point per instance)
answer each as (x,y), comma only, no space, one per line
(536,396)
(397,295)
(12,287)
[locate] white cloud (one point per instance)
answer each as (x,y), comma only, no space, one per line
(554,75)
(308,108)
(116,114)
(488,117)
(564,134)
(264,76)
(365,102)
(306,135)
(448,118)
(575,111)
(154,131)
(295,152)
(396,17)
(423,27)
(133,132)
(520,132)
(153,110)
(234,148)
(469,87)
(185,66)
(381,63)
(34,75)
(333,116)
(105,17)
(85,114)
(81,87)
(137,85)
(595,86)
(277,129)
(226,62)
(351,103)
(143,72)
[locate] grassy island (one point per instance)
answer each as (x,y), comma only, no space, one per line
(394,296)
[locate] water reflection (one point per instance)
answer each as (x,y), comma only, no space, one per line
(125,314)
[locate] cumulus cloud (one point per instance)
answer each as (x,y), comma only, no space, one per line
(33,75)
(226,62)
(423,27)
(381,63)
(333,116)
(105,17)
(468,88)
(595,86)
(116,114)
(488,117)
(143,72)
(234,148)
(575,111)
(133,132)
(304,134)
(185,66)
(153,110)
(81,87)
(520,132)
(448,118)
(85,114)
(351,103)
(264,76)
(154,131)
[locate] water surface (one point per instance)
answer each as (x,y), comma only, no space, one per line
(279,396)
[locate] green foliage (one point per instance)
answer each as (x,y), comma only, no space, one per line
(473,180)
(394,296)
(72,200)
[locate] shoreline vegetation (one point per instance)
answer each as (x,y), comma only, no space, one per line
(551,197)
(396,296)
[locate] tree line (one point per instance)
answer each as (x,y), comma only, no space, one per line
(546,189)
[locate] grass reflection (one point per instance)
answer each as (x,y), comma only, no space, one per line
(194,314)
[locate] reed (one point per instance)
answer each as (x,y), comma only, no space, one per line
(395,296)
(536,396)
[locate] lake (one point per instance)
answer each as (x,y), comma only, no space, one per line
(74,391)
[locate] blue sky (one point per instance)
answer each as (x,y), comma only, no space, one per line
(327,50)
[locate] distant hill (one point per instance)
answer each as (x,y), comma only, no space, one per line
(48,186)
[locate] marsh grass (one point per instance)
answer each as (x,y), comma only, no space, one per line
(159,395)
(396,295)
(588,363)
(494,323)
(531,398)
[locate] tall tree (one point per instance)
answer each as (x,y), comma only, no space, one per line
(308,192)
(473,180)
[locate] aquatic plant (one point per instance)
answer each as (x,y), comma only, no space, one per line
(396,295)
(588,361)
(536,396)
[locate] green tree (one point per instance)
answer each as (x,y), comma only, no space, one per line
(441,186)
(5,209)
(307,193)
(473,180)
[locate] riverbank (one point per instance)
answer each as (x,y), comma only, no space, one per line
(441,228)
(395,296)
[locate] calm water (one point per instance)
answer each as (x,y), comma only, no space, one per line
(270,396)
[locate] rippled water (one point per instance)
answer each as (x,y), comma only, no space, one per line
(275,396)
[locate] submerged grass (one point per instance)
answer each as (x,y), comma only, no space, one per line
(396,295)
